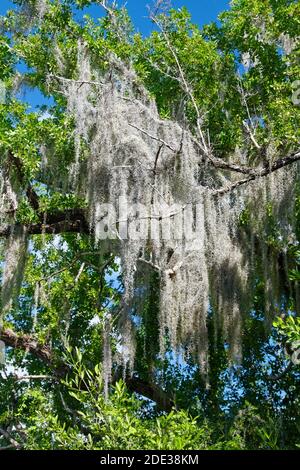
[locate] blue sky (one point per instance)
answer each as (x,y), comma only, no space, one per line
(203,12)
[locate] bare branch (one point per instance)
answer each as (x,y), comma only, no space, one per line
(69,221)
(154,138)
(10,439)
(247,127)
(163,72)
(258,173)
(187,88)
(79,272)
(104,5)
(111,12)
(79,82)
(74,221)
(32,377)
(251,135)
(153,265)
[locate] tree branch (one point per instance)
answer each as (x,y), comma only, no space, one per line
(79,82)
(163,142)
(258,173)
(13,443)
(20,378)
(74,221)
(27,343)
(60,369)
(150,391)
(70,221)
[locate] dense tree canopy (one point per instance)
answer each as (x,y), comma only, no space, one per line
(121,334)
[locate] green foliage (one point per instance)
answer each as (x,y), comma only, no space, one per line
(111,424)
(69,290)
(289,327)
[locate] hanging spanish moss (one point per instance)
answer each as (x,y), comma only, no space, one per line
(8,197)
(156,201)
(14,263)
(151,193)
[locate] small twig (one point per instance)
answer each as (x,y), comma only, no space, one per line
(77,258)
(80,82)
(163,72)
(157,157)
(33,377)
(251,135)
(247,127)
(79,272)
(154,138)
(155,266)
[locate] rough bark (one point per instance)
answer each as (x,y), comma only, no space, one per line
(70,221)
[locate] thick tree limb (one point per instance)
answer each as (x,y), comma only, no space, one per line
(27,343)
(73,221)
(258,173)
(60,369)
(221,164)
(150,391)
(13,443)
